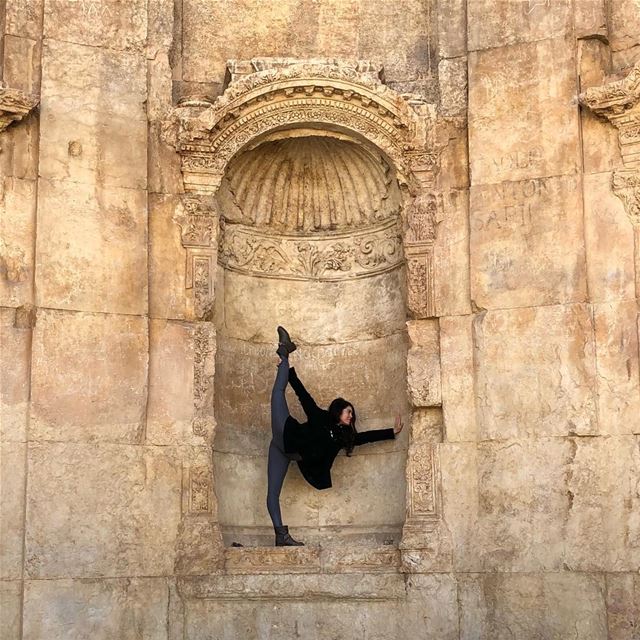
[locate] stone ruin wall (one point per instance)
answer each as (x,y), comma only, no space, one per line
(486,259)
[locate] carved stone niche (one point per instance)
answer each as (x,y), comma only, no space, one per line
(312,171)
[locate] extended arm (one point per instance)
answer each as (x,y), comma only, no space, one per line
(308,403)
(362,437)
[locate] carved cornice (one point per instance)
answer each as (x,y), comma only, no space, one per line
(14,105)
(328,257)
(619,102)
(290,94)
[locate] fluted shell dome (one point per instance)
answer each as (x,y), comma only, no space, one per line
(310,183)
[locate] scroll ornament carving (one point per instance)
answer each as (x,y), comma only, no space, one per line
(198,223)
(328,257)
(14,105)
(619,102)
(204,351)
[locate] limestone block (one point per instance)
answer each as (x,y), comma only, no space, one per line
(423,363)
(458,396)
(10,609)
(17,239)
(349,606)
(527,243)
(167,260)
(12,476)
(314,313)
(453,176)
(452,28)
(163,163)
(24,18)
(452,74)
(505,503)
(100,609)
(498,23)
(15,357)
(368,488)
(547,355)
(160,21)
(94,257)
(96,510)
(609,241)
(451,256)
(623,605)
(172,374)
(98,23)
(603,523)
(617,367)
(93,131)
(547,605)
(89,377)
(522,122)
(343,28)
(22,70)
(245,373)
(624,24)
(240,483)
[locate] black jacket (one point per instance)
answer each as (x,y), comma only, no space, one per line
(318,441)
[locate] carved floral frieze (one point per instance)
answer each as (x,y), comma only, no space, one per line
(340,256)
(14,105)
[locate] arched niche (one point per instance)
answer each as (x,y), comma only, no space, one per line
(253,263)
(310,239)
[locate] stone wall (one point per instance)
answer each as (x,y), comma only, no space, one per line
(515,481)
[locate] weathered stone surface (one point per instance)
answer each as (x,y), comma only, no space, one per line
(623,605)
(496,23)
(24,18)
(12,481)
(347,29)
(609,238)
(521,120)
(15,357)
(527,242)
(334,312)
(92,131)
(547,355)
(617,368)
(624,24)
(603,533)
(103,509)
(98,23)
(101,609)
(458,395)
(453,95)
(10,609)
(17,241)
(170,408)
(89,377)
(94,257)
(506,503)
(451,256)
(452,29)
(546,605)
(423,363)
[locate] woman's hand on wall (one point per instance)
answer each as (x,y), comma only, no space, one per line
(399,424)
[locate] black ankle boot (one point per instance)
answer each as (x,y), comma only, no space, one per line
(283,539)
(285,344)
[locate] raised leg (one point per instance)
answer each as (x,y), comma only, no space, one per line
(277,467)
(279,407)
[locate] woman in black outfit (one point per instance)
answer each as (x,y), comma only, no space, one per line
(313,444)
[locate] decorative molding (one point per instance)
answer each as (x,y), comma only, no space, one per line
(619,103)
(14,105)
(292,93)
(326,257)
(198,223)
(203,370)
(200,490)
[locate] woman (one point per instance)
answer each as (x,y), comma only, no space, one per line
(314,444)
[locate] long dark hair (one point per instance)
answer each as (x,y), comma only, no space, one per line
(335,409)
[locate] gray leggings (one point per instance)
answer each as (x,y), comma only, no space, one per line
(278,462)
